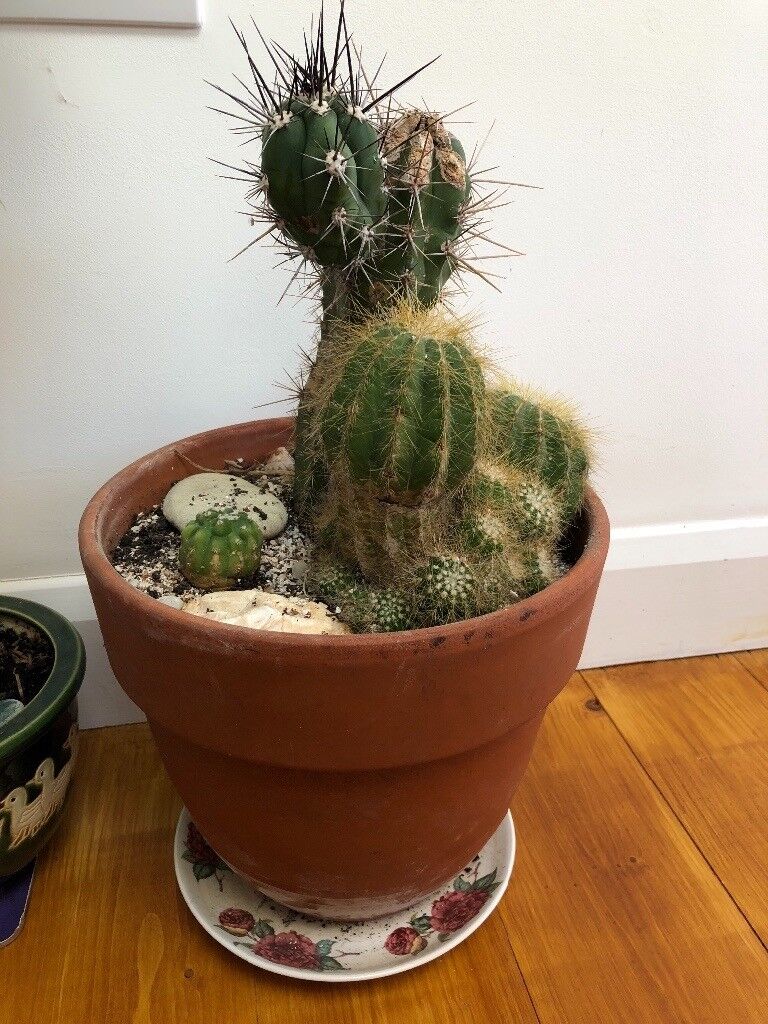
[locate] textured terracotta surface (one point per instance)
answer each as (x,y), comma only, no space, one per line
(379,764)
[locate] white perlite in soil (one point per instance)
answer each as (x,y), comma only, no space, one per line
(147,556)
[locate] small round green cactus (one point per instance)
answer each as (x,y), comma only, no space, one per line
(390,611)
(448,589)
(218,548)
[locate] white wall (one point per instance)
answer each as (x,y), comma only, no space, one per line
(642,297)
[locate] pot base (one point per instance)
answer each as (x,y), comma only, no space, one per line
(276,938)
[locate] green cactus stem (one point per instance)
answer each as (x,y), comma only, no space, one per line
(544,442)
(323,176)
(428,188)
(542,565)
(400,408)
(220,548)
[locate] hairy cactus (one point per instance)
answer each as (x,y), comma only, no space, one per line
(448,588)
(403,415)
(395,428)
(535,438)
(394,402)
(391,610)
(430,497)
(218,548)
(541,566)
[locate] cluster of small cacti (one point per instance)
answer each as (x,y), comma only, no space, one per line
(219,549)
(431,494)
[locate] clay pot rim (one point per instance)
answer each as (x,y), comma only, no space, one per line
(512,619)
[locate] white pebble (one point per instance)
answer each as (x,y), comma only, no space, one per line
(280,462)
(259,610)
(171,600)
(204,491)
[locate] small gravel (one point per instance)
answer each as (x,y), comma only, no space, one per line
(147,555)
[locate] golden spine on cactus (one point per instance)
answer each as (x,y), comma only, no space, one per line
(501,502)
(218,548)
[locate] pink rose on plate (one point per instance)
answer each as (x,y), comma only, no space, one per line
(454,909)
(289,949)
(236,921)
(402,941)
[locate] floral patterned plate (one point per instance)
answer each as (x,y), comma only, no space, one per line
(278,939)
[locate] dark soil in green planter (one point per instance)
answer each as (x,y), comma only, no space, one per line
(26,660)
(42,663)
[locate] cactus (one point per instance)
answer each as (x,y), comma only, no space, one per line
(535,438)
(428,188)
(391,610)
(402,417)
(395,428)
(448,588)
(375,202)
(429,496)
(365,608)
(218,548)
(542,566)
(323,176)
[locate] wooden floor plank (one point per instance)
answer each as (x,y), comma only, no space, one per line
(700,728)
(756,663)
(614,914)
(108,937)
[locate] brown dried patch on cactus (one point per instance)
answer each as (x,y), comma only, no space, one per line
(415,141)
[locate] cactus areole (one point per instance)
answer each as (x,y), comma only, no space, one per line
(434,491)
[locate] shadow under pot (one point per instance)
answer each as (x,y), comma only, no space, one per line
(42,663)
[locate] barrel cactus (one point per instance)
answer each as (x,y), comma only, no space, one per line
(537,438)
(218,548)
(402,407)
(396,427)
(431,489)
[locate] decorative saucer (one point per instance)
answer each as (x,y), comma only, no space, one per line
(278,939)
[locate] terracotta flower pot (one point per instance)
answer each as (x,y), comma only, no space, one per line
(354,772)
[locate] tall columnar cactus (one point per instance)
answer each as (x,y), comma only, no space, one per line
(375,201)
(323,176)
(378,209)
(429,495)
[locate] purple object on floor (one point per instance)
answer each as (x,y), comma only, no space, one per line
(14,894)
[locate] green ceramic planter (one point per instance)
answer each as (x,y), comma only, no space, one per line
(38,746)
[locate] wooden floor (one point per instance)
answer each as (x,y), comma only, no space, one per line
(640,892)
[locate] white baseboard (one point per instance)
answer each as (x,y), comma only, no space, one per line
(681,589)
(668,591)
